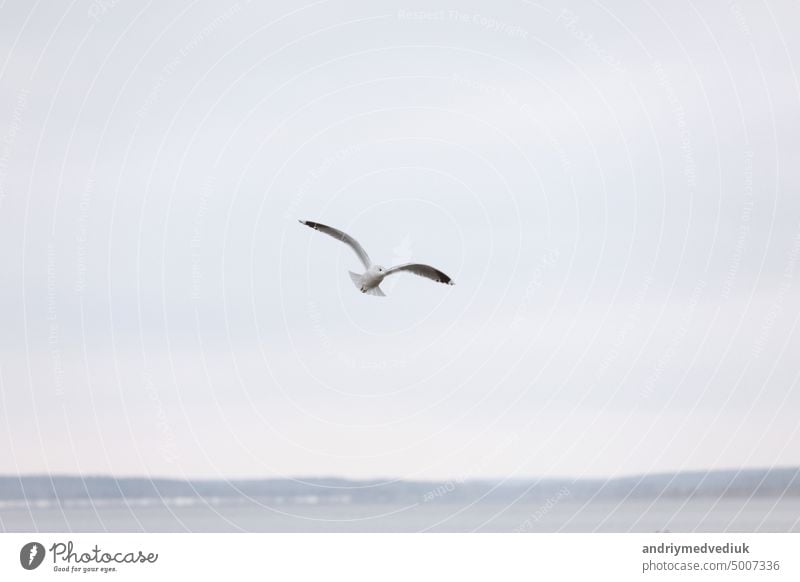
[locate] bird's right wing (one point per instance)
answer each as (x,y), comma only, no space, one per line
(423,271)
(342,236)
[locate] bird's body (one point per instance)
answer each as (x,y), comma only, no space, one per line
(369,281)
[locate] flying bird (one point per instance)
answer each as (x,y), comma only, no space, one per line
(369,282)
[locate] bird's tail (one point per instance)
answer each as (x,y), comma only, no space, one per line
(357,281)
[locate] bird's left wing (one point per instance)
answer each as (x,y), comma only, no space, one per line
(423,271)
(342,236)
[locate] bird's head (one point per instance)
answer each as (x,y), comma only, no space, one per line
(379,269)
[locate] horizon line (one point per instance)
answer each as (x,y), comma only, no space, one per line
(388,480)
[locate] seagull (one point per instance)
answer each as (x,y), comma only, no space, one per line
(369,282)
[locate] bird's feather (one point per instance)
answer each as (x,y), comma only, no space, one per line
(423,271)
(375,291)
(342,236)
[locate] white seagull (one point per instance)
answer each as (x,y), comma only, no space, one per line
(370,281)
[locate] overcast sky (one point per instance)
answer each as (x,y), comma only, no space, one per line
(614,187)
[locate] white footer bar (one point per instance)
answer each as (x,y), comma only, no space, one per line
(372,557)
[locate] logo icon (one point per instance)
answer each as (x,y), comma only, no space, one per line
(31,555)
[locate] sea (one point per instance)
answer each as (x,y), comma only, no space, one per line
(313,515)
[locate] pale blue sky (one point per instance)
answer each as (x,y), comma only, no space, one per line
(613,187)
